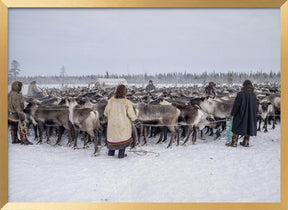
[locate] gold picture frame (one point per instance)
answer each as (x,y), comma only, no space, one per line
(6,4)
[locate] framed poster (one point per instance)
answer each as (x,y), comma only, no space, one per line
(122,9)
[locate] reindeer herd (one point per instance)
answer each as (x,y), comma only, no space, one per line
(180,111)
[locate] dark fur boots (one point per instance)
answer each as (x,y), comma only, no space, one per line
(13,132)
(234,141)
(245,142)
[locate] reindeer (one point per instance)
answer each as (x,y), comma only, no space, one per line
(194,118)
(165,115)
(99,107)
(52,115)
(216,107)
(266,110)
(87,120)
(276,101)
(219,108)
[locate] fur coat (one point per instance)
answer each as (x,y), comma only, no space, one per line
(120,113)
(244,112)
(15,102)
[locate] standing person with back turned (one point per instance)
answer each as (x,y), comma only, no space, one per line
(16,116)
(244,115)
(120,113)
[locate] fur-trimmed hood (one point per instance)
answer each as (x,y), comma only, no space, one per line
(247,86)
(120,92)
(15,101)
(16,86)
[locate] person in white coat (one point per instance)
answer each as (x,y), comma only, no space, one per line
(119,112)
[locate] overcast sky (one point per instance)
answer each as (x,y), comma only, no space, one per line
(134,41)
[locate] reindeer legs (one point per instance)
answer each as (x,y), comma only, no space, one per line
(265,125)
(194,136)
(96,145)
(173,133)
(48,129)
(274,122)
(75,135)
(190,129)
(259,127)
(134,136)
(145,135)
(60,131)
(41,128)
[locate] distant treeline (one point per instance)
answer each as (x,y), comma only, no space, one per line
(163,78)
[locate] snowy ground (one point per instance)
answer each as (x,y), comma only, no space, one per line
(206,172)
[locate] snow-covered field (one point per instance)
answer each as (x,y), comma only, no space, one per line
(206,172)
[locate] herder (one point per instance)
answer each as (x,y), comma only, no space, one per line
(16,115)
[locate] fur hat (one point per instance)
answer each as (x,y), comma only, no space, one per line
(247,85)
(17,86)
(121,91)
(247,82)
(212,84)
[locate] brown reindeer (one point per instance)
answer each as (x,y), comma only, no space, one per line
(194,118)
(51,116)
(165,115)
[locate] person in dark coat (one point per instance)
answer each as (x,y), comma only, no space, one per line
(150,87)
(244,112)
(210,89)
(33,91)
